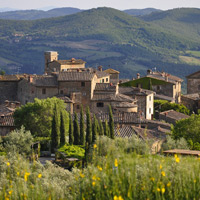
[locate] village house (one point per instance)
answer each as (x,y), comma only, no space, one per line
(193,83)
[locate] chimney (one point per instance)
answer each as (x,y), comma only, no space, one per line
(100,68)
(138,75)
(30,79)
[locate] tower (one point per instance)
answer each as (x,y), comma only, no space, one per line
(49,56)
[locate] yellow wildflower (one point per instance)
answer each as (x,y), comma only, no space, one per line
(94,146)
(82,175)
(163,173)
(177,159)
(83,198)
(115,198)
(10,192)
(98,179)
(100,169)
(163,190)
(26,176)
(94,178)
(195,180)
(116,163)
(152,179)
(18,173)
(8,164)
(175,156)
(160,166)
(39,175)
(168,184)
(120,198)
(158,189)
(93,183)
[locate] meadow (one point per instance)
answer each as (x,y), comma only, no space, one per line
(116,169)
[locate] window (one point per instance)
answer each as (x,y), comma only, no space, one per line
(77,107)
(84,93)
(44,91)
(198,87)
(158,87)
(61,91)
(106,79)
(149,110)
(149,98)
(32,91)
(100,104)
(82,84)
(102,80)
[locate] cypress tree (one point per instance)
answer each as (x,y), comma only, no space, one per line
(88,128)
(71,130)
(111,123)
(101,130)
(55,132)
(106,129)
(62,128)
(76,130)
(94,129)
(82,127)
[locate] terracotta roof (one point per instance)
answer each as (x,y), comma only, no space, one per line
(111,71)
(75,76)
(174,115)
(7,120)
(195,96)
(73,61)
(135,91)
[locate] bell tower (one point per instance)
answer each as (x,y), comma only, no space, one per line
(49,56)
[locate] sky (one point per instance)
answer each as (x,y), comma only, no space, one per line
(87,4)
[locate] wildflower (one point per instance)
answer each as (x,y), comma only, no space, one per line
(98,179)
(83,198)
(100,169)
(158,189)
(26,176)
(168,184)
(94,178)
(175,156)
(163,173)
(160,166)
(115,198)
(105,186)
(82,175)
(120,198)
(163,190)
(195,180)
(18,173)
(93,183)
(116,163)
(94,146)
(142,188)
(39,175)
(10,192)
(152,179)
(177,159)
(8,164)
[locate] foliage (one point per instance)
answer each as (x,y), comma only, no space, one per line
(106,129)
(37,117)
(2,72)
(76,130)
(188,129)
(163,105)
(64,122)
(94,129)
(73,151)
(19,141)
(101,128)
(111,124)
(55,132)
(170,143)
(71,130)
(88,128)
(82,127)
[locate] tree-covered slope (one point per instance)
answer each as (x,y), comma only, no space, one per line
(141,12)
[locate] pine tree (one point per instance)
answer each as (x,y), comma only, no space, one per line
(101,129)
(88,128)
(82,127)
(71,130)
(106,129)
(62,128)
(94,129)
(55,132)
(76,130)
(111,123)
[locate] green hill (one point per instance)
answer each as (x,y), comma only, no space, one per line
(141,12)
(103,36)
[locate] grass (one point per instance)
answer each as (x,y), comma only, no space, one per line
(194,53)
(190,60)
(114,173)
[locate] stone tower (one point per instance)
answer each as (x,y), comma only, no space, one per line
(50,56)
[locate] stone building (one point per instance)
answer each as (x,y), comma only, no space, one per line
(193,83)
(52,64)
(114,75)
(145,100)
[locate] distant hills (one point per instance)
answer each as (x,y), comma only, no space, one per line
(141,12)
(105,36)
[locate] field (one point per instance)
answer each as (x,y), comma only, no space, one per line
(190,60)
(115,171)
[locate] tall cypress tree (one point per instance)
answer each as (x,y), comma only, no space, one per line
(71,130)
(106,129)
(101,130)
(55,132)
(88,128)
(62,128)
(111,123)
(82,127)
(76,130)
(94,129)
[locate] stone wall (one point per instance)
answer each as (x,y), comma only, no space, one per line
(8,91)
(193,86)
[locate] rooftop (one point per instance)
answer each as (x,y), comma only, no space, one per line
(75,76)
(135,91)
(7,120)
(174,115)
(195,96)
(72,61)
(45,80)
(111,71)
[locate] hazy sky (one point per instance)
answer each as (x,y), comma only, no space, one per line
(86,4)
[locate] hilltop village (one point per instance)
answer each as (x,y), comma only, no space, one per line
(132,101)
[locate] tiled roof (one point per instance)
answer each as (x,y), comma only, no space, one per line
(194,96)
(163,97)
(105,87)
(111,71)
(124,131)
(100,74)
(73,61)
(174,115)
(10,77)
(7,120)
(75,76)
(47,81)
(134,91)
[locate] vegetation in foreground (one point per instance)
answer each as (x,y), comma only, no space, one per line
(117,170)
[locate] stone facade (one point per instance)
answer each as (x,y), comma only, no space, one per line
(193,83)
